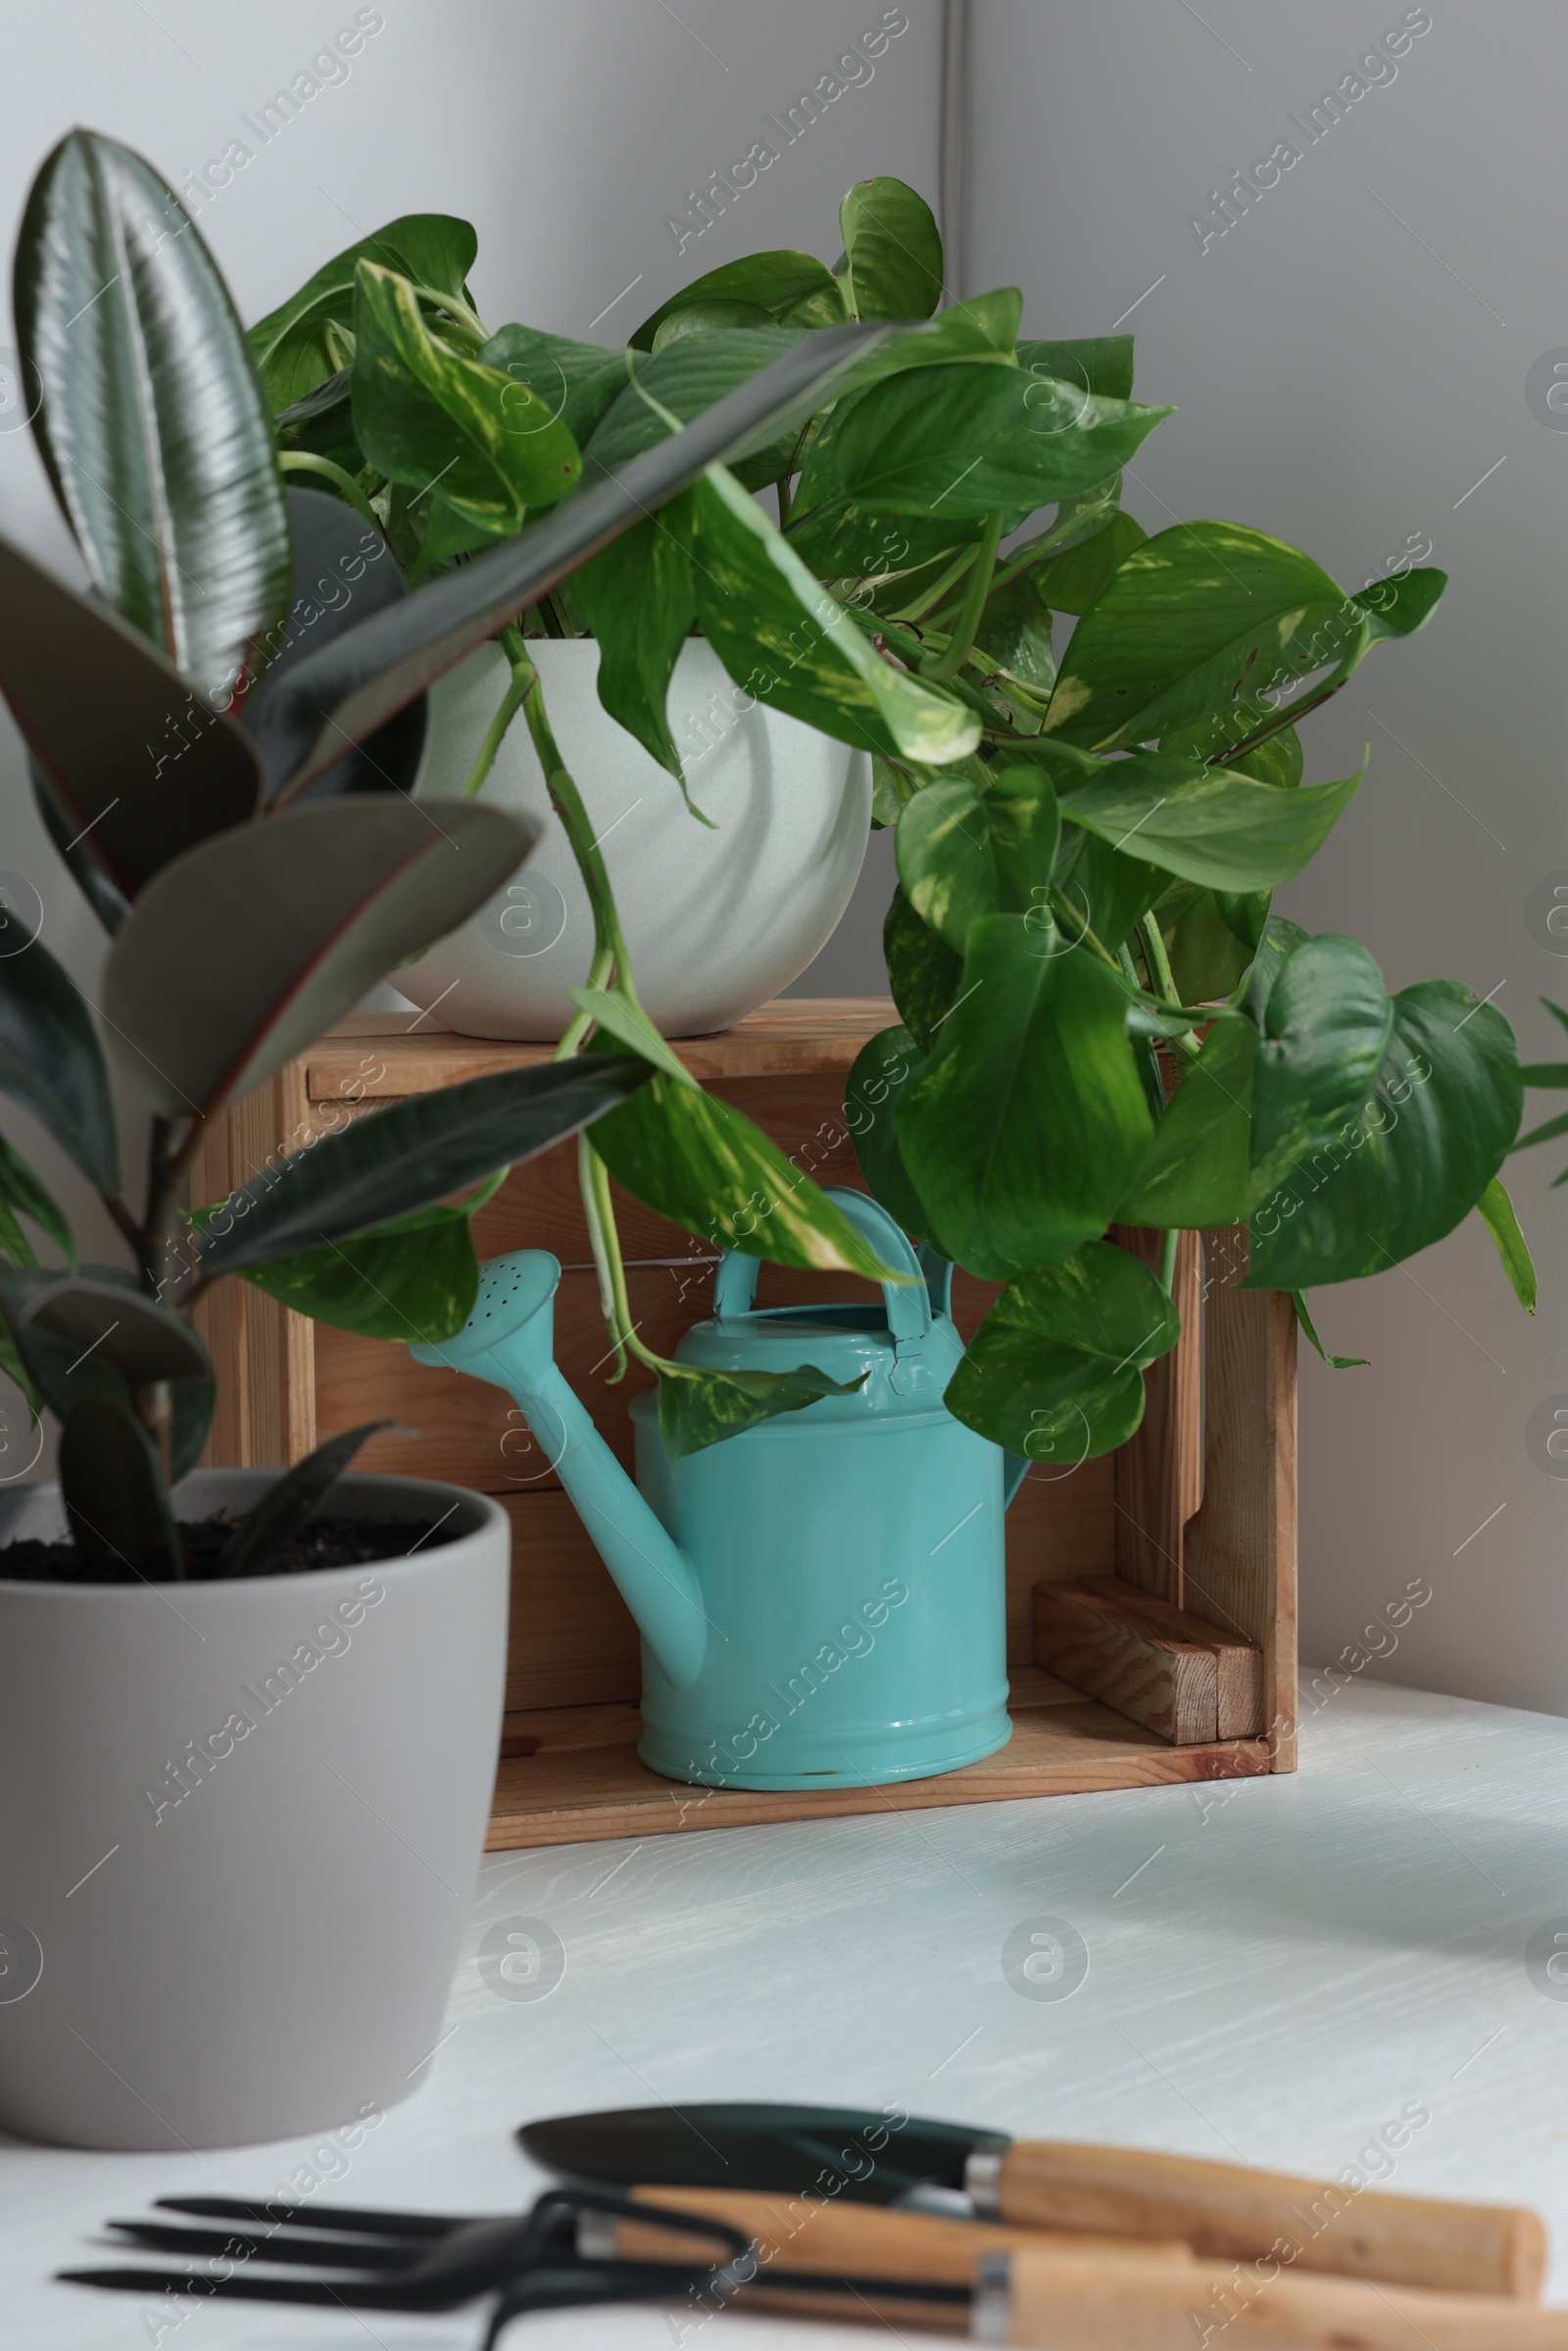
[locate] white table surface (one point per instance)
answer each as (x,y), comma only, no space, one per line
(1276,1968)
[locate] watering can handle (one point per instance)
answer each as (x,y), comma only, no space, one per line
(907,1302)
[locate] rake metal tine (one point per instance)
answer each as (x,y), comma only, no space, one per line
(347,2216)
(248,2244)
(317,2292)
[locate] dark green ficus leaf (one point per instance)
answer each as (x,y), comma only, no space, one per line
(343,571)
(106,902)
(390,1163)
(698,1408)
(153,426)
(892,252)
(239,954)
(882,1068)
(311,336)
(57,1370)
(126,1333)
(1023,1130)
(138,765)
(424,413)
(291,1500)
(1197,1171)
(923,971)
(701,1163)
(114,1497)
(22,1194)
(1055,1370)
(51,1062)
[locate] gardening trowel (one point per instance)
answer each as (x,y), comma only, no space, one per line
(1219,2209)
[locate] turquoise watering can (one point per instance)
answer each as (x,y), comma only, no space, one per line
(822,1598)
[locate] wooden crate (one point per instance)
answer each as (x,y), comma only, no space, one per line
(1150,1594)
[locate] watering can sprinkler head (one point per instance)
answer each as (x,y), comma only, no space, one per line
(512,1323)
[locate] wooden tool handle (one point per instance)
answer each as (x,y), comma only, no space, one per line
(864,2240)
(1065,2302)
(1225,2209)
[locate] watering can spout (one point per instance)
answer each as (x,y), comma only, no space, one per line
(509,1339)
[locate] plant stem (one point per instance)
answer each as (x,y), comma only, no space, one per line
(948,663)
(1167,1260)
(1161,974)
(567,800)
(510,705)
(601,974)
(594,1180)
(786,496)
(932,596)
(300,461)
(1277,726)
(468,324)
(1086,937)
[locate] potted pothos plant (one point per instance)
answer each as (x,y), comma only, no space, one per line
(1089,835)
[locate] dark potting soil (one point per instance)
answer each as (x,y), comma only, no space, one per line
(324,1542)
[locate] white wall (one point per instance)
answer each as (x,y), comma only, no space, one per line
(569,135)
(1350,359)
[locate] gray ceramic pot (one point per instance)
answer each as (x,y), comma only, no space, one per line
(240,1827)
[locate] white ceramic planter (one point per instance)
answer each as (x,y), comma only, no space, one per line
(240,1829)
(717,921)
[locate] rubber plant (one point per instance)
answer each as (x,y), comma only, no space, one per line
(211,736)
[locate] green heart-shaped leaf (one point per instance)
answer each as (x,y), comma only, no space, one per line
(1023,1130)
(785,639)
(1416,1152)
(891,251)
(424,415)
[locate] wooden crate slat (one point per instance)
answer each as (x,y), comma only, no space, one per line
(803,1033)
(1160,1469)
(558,1795)
(1241,1560)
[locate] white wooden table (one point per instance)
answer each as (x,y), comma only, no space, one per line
(1277,1968)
